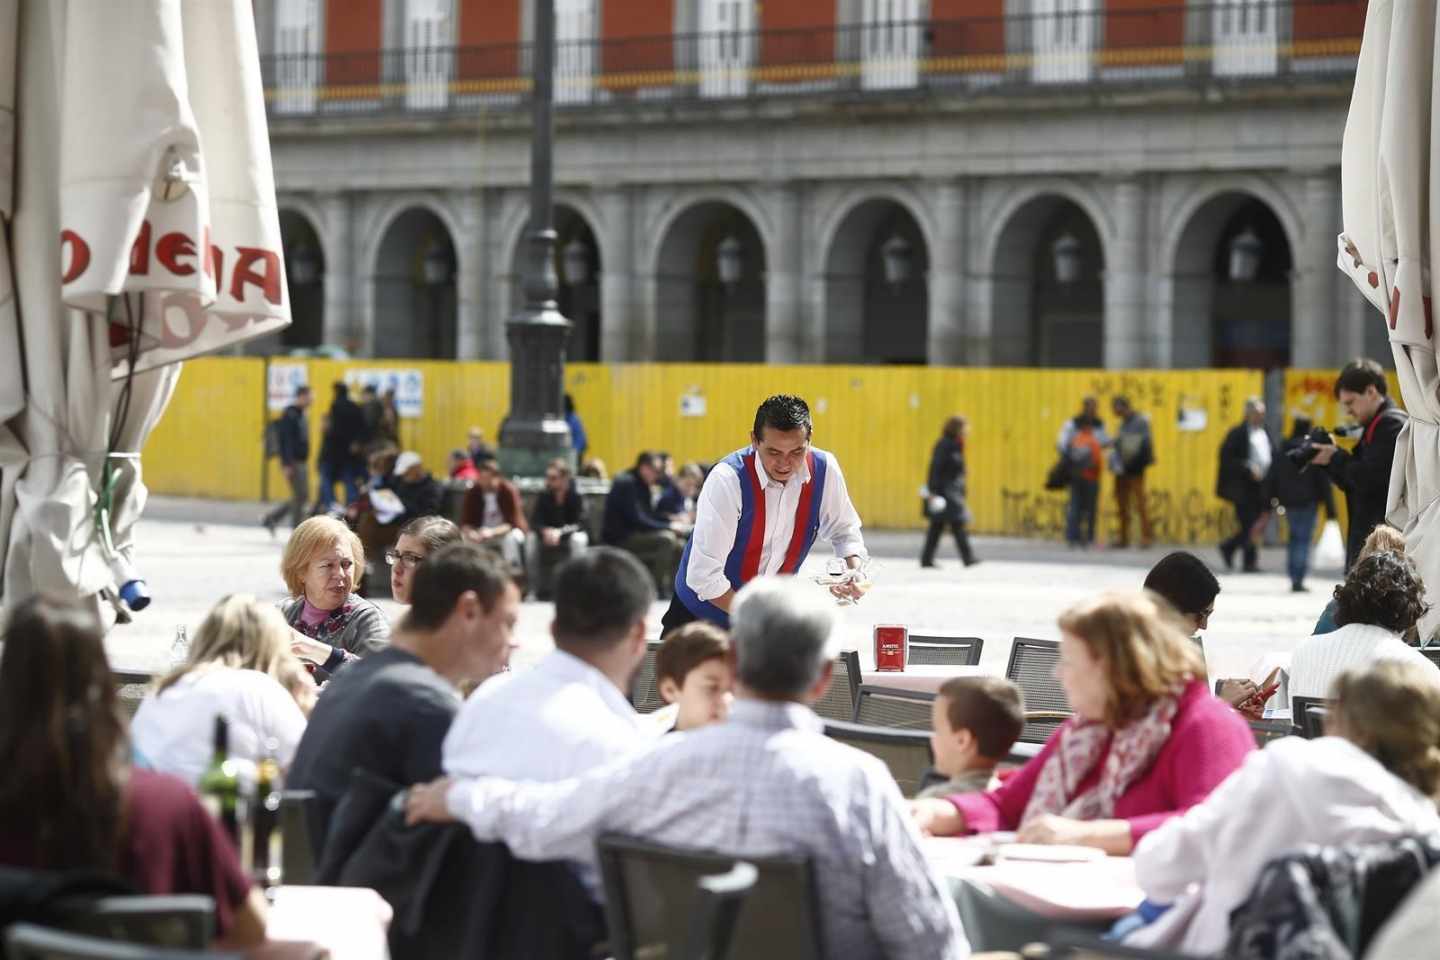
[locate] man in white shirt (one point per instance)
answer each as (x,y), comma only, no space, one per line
(570,712)
(766,782)
(760,511)
(1245,459)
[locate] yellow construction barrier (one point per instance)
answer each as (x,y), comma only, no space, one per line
(881,423)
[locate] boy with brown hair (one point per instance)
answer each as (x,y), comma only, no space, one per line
(975,721)
(694,673)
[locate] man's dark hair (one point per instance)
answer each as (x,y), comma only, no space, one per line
(599,597)
(1183,579)
(783,412)
(487,463)
(1384,590)
(1120,402)
(646,458)
(1299,427)
(1360,373)
(991,708)
(302,390)
(445,575)
(341,391)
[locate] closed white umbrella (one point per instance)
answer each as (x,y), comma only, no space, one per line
(1391,246)
(144,231)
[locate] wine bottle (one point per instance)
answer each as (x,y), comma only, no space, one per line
(269,841)
(219,789)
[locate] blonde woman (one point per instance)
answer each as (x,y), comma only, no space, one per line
(240,667)
(1148,739)
(331,626)
(1373,778)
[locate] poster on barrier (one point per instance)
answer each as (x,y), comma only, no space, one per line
(281,382)
(408,384)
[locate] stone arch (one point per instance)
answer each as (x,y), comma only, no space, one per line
(658,222)
(305,277)
(702,315)
(869,315)
(415,278)
(575,219)
(1220,315)
(1041,315)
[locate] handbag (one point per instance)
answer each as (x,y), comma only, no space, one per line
(1059,476)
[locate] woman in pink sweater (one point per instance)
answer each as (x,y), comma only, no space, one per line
(1147,741)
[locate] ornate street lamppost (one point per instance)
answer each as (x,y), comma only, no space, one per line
(535,432)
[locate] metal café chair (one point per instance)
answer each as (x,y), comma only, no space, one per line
(180,922)
(653,892)
(645,691)
(881,706)
(1308,715)
(924,650)
(1032,669)
(838,703)
(905,753)
(26,941)
(717,909)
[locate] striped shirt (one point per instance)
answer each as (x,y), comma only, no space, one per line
(1321,658)
(767,782)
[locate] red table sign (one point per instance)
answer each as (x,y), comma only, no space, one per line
(890,647)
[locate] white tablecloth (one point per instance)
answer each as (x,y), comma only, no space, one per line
(924,679)
(351,922)
(1099,889)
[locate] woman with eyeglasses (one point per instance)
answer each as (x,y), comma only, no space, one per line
(418,539)
(330,624)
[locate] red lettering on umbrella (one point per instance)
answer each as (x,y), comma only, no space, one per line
(79,255)
(140,252)
(268,281)
(170,249)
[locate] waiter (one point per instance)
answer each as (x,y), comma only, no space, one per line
(760,511)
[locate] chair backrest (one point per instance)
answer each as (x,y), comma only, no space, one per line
(1308,714)
(839,700)
(645,691)
(652,892)
(184,922)
(1267,730)
(881,706)
(131,686)
(944,651)
(25,941)
(1432,654)
(300,849)
(717,910)
(905,753)
(1032,668)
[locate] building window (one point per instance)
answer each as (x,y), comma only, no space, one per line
(429,56)
(574,50)
(890,44)
(297,55)
(727,47)
(1245,38)
(1063,40)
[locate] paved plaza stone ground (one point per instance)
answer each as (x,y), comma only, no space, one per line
(194,552)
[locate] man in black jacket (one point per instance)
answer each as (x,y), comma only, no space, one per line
(1299,488)
(1245,459)
(557,525)
(341,449)
(632,524)
(292,446)
(1364,473)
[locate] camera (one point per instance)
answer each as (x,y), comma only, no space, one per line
(1303,454)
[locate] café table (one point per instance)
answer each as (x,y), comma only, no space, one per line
(925,678)
(349,923)
(1015,900)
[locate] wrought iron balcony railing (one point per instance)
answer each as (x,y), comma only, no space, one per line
(1204,43)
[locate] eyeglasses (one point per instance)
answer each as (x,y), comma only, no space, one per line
(395,558)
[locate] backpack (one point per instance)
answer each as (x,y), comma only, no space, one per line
(272,437)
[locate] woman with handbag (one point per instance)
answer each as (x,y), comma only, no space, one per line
(945,494)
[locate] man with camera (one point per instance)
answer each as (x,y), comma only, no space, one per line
(1364,473)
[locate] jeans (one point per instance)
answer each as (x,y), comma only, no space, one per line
(330,474)
(1297,552)
(1080,517)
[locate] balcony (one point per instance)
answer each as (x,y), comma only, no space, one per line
(1200,45)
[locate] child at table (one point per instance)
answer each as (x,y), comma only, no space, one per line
(974,721)
(694,675)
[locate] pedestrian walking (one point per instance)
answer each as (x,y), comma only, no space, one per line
(1245,459)
(291,433)
(1132,453)
(1297,487)
(945,493)
(341,450)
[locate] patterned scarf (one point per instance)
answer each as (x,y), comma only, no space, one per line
(1132,751)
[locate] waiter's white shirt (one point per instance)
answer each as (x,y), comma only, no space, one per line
(717,521)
